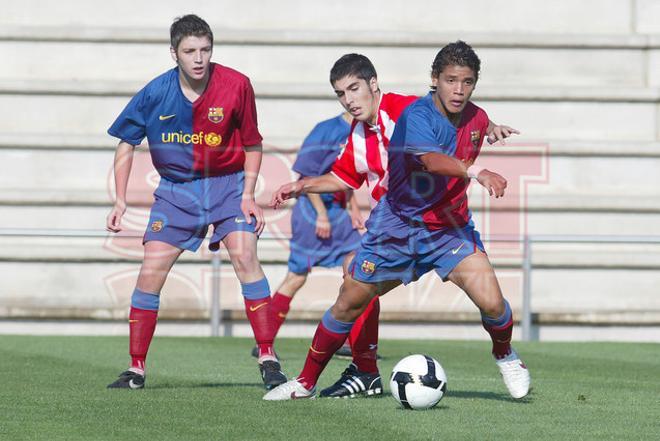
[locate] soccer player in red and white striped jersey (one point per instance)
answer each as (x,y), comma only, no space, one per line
(365,156)
(364,159)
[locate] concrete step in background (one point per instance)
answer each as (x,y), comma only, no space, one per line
(289,117)
(123,68)
(290,144)
(101,290)
(536,222)
(560,17)
(274,249)
(85,177)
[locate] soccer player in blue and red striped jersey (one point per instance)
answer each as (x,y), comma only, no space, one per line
(200,121)
(423,224)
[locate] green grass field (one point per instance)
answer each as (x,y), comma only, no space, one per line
(53,388)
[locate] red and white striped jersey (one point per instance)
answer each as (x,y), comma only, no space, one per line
(365,156)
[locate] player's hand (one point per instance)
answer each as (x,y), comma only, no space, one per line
(356,219)
(323,227)
(285,192)
(499,133)
(113,221)
(250,208)
(494,183)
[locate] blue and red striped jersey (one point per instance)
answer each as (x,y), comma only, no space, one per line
(319,152)
(417,195)
(190,140)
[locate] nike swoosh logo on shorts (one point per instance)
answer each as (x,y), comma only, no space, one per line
(254,308)
(164,117)
(457,249)
(238,220)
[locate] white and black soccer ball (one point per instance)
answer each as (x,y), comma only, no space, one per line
(418,382)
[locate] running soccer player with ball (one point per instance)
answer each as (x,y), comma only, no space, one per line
(423,222)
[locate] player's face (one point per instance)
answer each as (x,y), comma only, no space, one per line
(454,87)
(359,97)
(193,56)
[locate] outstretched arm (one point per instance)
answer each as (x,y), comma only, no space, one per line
(444,165)
(122,170)
(326,183)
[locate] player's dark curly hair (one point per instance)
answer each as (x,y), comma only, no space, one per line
(352,64)
(186,26)
(458,53)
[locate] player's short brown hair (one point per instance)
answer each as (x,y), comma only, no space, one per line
(458,53)
(352,64)
(186,26)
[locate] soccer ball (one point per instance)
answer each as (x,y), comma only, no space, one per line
(418,382)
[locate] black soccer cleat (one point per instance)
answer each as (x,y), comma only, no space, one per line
(271,373)
(353,383)
(128,380)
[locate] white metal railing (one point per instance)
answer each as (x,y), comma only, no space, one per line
(216,261)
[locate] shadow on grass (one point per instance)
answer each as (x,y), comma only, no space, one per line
(438,408)
(469,394)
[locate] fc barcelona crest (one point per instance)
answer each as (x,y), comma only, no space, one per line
(475,136)
(156,226)
(216,114)
(368,267)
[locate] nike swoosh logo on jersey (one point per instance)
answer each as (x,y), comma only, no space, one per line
(457,249)
(164,117)
(254,308)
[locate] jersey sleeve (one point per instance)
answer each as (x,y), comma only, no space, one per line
(247,117)
(344,168)
(130,126)
(422,136)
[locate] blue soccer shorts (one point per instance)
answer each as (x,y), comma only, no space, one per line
(392,249)
(183,211)
(308,250)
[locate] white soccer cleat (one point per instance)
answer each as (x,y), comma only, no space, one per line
(291,390)
(515,374)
